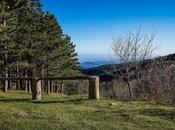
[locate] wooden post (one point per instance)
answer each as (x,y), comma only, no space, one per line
(94,88)
(36,94)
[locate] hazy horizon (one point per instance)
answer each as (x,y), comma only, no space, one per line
(93,23)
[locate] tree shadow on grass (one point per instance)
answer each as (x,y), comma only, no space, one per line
(70,101)
(162,113)
(27,100)
(15,100)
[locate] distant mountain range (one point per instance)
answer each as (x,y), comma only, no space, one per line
(92,64)
(97,68)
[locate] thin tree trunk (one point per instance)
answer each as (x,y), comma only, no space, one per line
(43,89)
(21,84)
(129,89)
(51,86)
(18,81)
(56,88)
(9,81)
(26,81)
(47,82)
(43,81)
(137,83)
(48,86)
(29,86)
(62,87)
(5,86)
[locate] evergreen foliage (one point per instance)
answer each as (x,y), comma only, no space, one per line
(32,42)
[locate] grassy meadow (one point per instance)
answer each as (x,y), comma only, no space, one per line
(60,112)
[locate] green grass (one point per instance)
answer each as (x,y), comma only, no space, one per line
(59,112)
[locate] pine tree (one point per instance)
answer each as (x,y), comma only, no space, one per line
(30,35)
(58,57)
(68,63)
(8,27)
(59,54)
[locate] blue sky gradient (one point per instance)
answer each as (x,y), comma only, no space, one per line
(93,23)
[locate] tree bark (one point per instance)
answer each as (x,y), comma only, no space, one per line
(21,84)
(56,88)
(129,89)
(62,87)
(47,86)
(29,86)
(18,81)
(51,86)
(26,81)
(5,87)
(9,81)
(43,81)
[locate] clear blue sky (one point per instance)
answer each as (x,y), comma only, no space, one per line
(93,23)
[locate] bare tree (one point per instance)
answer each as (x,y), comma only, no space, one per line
(130,51)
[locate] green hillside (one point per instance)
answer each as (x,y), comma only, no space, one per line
(59,112)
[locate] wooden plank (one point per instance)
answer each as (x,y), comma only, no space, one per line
(69,78)
(17,78)
(50,78)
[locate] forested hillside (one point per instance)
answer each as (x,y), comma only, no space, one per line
(100,70)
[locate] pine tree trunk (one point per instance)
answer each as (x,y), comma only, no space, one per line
(47,82)
(62,88)
(26,81)
(9,81)
(5,87)
(42,86)
(56,88)
(43,81)
(29,86)
(48,86)
(21,84)
(18,81)
(51,86)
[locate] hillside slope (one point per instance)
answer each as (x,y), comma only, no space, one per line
(59,112)
(100,70)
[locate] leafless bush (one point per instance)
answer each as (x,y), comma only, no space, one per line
(157,83)
(114,90)
(131,50)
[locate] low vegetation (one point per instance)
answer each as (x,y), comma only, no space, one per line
(55,111)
